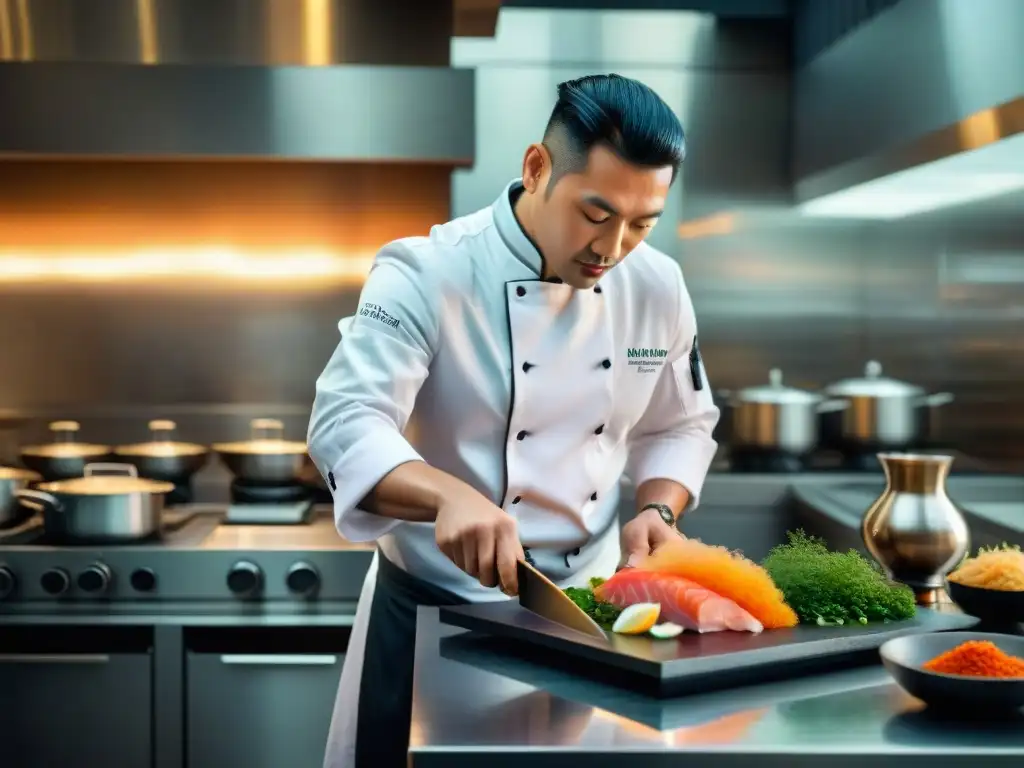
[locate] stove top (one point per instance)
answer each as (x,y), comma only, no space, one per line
(203,555)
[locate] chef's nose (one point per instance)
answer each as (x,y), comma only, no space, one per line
(611,244)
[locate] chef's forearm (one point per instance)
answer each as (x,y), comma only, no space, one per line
(658,490)
(412,491)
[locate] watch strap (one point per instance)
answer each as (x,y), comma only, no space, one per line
(664,511)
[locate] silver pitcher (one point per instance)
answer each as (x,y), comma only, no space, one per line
(913,529)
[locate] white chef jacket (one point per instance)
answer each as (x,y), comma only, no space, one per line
(537,394)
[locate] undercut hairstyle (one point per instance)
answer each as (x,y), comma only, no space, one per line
(622,114)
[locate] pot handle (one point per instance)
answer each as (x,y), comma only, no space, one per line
(103,468)
(162,430)
(38,501)
(64,431)
(267,429)
(934,401)
(830,406)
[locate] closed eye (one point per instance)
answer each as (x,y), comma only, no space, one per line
(592,220)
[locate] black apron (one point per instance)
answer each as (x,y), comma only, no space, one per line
(385,689)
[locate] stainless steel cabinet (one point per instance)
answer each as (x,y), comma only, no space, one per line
(75,709)
(262,707)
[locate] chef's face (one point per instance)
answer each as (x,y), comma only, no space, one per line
(591,219)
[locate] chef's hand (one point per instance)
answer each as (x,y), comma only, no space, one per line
(642,535)
(480,538)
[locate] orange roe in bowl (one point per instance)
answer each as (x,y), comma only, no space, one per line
(977,658)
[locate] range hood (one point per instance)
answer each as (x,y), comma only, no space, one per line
(339,80)
(921,108)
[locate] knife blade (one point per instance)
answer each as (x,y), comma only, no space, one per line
(540,595)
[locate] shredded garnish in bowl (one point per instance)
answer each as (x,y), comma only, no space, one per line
(1000,568)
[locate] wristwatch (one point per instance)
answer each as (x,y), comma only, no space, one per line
(664,511)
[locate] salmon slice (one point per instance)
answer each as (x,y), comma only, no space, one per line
(682,601)
(727,574)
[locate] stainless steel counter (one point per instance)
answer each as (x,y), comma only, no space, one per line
(477,701)
(477,704)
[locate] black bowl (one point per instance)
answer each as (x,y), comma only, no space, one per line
(994,606)
(904,658)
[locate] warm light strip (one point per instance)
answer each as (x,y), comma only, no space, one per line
(25,30)
(211,262)
(317,32)
(6,33)
(708,226)
(146,14)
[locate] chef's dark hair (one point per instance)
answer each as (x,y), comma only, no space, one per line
(623,114)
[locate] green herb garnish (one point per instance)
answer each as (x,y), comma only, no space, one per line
(835,588)
(604,614)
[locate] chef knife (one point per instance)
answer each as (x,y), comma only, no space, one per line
(540,595)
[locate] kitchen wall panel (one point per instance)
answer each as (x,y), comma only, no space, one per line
(818,25)
(938,300)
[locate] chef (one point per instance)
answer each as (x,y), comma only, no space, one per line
(498,379)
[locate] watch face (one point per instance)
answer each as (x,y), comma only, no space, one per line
(667,516)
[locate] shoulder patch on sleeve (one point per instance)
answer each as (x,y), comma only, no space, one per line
(379,314)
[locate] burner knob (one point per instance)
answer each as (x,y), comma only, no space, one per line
(245,579)
(95,579)
(55,581)
(303,579)
(7,582)
(143,580)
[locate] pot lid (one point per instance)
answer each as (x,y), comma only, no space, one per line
(263,447)
(105,485)
(776,392)
(161,446)
(16,473)
(64,445)
(267,439)
(874,384)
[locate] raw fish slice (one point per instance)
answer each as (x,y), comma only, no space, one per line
(682,601)
(727,574)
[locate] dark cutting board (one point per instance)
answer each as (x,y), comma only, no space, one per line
(694,663)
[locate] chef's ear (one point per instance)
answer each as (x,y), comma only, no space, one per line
(536,167)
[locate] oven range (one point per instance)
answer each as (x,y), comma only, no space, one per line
(205,556)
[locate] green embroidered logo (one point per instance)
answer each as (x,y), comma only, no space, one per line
(643,352)
(646,359)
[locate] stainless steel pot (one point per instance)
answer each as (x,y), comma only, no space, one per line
(109,503)
(884,414)
(777,418)
(267,458)
(64,458)
(13,480)
(162,458)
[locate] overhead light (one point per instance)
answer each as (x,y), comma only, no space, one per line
(968,177)
(280,267)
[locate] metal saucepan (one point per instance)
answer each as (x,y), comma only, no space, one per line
(64,458)
(13,480)
(267,458)
(884,414)
(110,503)
(776,418)
(162,458)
